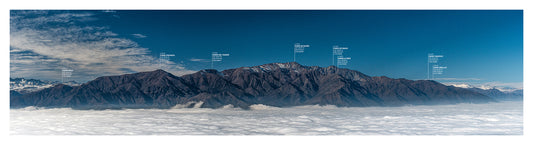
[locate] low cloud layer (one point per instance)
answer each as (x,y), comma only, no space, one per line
(44,42)
(503,118)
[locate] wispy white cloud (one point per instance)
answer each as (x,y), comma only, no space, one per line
(44,42)
(139,35)
(199,60)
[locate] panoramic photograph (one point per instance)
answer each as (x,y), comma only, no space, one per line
(266,72)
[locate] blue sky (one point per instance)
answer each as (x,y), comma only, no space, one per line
(479,47)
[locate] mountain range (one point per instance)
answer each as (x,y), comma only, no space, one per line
(501,95)
(22,85)
(497,93)
(274,84)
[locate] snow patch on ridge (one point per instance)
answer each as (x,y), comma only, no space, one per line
(281,65)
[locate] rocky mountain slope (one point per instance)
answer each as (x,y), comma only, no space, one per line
(274,84)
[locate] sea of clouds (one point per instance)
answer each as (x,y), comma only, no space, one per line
(503,118)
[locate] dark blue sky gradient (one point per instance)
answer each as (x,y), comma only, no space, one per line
(486,45)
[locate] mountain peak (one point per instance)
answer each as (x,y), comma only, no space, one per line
(213,71)
(278,65)
(158,72)
(292,65)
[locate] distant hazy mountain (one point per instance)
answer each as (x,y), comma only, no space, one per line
(22,85)
(275,84)
(500,95)
(497,93)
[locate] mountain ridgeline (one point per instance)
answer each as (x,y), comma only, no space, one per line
(274,84)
